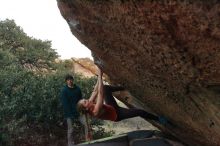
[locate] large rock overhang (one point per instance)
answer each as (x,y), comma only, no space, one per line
(167,53)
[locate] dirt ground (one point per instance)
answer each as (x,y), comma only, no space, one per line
(128,125)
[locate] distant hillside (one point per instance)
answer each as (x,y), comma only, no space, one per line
(84,66)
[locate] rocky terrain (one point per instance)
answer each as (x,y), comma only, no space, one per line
(165,52)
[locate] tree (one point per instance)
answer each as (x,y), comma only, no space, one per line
(29,96)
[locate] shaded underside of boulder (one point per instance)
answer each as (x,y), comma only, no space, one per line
(134,138)
(167,53)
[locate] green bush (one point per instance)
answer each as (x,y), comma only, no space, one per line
(30,110)
(31,101)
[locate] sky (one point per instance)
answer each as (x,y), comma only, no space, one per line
(41,19)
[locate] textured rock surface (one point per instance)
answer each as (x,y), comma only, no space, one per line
(134,138)
(166,52)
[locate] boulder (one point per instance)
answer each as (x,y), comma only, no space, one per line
(165,52)
(134,138)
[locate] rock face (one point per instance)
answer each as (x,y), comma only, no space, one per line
(167,53)
(134,138)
